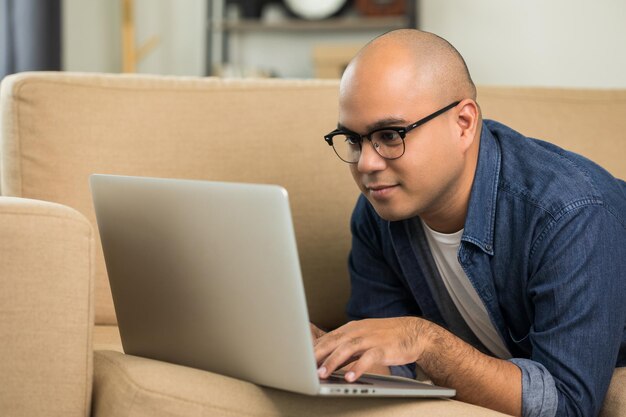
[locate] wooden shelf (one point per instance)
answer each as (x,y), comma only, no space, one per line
(296,25)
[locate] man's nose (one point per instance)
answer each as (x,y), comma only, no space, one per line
(370,160)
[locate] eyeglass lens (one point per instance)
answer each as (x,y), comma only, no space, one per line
(388,143)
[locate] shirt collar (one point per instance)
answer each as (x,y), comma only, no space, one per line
(481,211)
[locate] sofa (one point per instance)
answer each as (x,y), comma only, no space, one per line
(60,352)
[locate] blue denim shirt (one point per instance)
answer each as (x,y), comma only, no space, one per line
(544,246)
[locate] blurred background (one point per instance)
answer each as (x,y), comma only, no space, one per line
(558,43)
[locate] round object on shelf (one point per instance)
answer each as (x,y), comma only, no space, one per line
(381,7)
(315,9)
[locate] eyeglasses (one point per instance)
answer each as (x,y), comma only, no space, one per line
(387,141)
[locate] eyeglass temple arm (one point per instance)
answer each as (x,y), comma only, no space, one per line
(432,116)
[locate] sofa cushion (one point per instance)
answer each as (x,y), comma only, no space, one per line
(58,128)
(588,122)
(615,402)
(107,337)
(132,386)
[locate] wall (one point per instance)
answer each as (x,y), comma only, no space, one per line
(92,35)
(181,27)
(569,43)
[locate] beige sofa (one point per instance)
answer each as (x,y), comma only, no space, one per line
(58,128)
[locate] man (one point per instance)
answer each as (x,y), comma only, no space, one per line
(494,262)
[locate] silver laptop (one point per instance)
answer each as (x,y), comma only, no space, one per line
(206,274)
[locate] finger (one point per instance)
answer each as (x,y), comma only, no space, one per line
(375,368)
(368,359)
(326,344)
(344,366)
(348,366)
(340,356)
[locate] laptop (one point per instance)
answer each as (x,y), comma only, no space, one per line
(206,274)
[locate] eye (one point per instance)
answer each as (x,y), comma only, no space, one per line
(352,140)
(387,137)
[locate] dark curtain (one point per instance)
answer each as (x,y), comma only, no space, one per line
(30,36)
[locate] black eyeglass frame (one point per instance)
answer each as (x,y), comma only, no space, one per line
(402,131)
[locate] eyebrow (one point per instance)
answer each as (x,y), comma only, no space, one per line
(379,124)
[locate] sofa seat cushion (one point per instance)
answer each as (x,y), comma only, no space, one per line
(116,366)
(133,386)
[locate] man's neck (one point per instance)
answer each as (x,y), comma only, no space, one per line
(449,216)
(449,220)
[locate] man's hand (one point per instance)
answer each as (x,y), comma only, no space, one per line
(478,378)
(372,345)
(317,334)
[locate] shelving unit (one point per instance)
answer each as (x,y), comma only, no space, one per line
(222,33)
(335,24)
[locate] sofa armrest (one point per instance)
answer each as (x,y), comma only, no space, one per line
(46,309)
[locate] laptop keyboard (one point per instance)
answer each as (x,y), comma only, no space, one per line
(335,379)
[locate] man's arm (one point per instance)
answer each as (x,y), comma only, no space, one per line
(376,288)
(577,291)
(478,378)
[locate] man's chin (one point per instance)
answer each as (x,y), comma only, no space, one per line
(389,213)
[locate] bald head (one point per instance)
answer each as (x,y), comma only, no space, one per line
(398,79)
(420,63)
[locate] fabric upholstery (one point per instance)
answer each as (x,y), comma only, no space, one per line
(59,128)
(112,366)
(615,401)
(46,310)
(132,386)
(588,122)
(107,337)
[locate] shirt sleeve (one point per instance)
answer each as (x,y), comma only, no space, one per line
(539,393)
(577,289)
(376,291)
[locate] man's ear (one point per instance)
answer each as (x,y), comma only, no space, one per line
(468,122)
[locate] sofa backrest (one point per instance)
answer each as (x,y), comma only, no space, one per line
(58,128)
(589,122)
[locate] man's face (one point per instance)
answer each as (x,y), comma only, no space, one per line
(424,180)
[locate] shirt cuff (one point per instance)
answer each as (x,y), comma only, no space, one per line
(407,371)
(539,393)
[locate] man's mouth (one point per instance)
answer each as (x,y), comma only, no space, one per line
(380,191)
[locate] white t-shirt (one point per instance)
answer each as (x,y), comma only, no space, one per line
(444,248)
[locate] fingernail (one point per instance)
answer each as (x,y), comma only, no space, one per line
(350,376)
(322,371)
